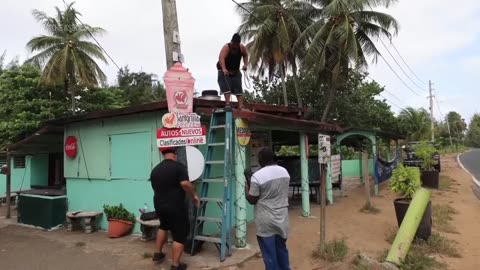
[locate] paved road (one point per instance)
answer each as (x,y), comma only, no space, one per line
(471,162)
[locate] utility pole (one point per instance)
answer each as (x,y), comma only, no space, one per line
(431,109)
(171,35)
(449,134)
(173,54)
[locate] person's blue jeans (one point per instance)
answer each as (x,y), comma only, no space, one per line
(274,252)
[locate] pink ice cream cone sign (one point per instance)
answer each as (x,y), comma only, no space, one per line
(179,84)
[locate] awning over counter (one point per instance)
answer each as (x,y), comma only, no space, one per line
(49,139)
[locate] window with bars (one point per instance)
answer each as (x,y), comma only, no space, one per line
(19,162)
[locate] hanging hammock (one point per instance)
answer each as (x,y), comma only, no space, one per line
(383,169)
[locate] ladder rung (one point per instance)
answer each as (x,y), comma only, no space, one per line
(215,162)
(218,127)
(209,219)
(206,199)
(216,144)
(213,180)
(208,239)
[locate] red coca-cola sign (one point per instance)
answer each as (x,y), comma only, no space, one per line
(71,147)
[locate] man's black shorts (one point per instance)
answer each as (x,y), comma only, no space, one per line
(230,84)
(177,222)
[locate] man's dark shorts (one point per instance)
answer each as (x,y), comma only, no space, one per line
(230,84)
(176,221)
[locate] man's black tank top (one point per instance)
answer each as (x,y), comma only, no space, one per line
(232,62)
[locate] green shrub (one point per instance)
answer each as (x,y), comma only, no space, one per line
(118,212)
(405,181)
(425,152)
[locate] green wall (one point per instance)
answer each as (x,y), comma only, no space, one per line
(351,168)
(39,170)
(113,164)
(18,176)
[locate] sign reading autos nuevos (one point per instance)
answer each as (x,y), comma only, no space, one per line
(175,137)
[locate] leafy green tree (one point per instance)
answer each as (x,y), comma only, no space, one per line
(473,133)
(140,87)
(25,104)
(2,62)
(272,27)
(65,54)
(457,125)
(97,99)
(356,104)
(415,123)
(343,35)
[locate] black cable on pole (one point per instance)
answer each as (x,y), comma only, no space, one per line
(98,43)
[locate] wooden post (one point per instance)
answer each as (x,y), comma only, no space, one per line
(366,177)
(170,32)
(323,205)
(9,183)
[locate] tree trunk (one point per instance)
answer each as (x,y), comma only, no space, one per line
(331,95)
(284,84)
(71,86)
(65,87)
(73,102)
(297,87)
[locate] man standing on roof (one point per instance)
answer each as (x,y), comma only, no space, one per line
(268,191)
(228,66)
(170,182)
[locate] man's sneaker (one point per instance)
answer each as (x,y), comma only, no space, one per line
(182,266)
(158,257)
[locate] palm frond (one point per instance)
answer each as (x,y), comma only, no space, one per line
(43,42)
(385,21)
(91,49)
(50,24)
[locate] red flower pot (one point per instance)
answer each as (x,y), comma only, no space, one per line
(118,228)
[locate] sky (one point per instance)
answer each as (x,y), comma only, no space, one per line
(438,39)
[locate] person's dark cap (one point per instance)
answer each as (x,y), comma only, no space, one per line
(167,150)
(236,38)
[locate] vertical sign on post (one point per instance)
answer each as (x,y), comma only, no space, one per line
(179,84)
(323,159)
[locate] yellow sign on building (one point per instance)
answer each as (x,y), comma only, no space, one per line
(243,132)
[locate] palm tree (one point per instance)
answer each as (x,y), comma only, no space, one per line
(65,55)
(343,36)
(272,27)
(415,123)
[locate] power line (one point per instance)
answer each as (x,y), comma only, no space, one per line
(401,57)
(385,60)
(398,64)
(393,103)
(403,60)
(396,74)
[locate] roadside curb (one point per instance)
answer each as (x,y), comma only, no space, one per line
(475,181)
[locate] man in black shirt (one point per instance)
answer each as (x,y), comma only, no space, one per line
(229,76)
(170,182)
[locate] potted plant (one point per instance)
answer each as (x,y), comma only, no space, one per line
(120,221)
(405,181)
(430,177)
